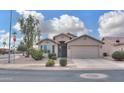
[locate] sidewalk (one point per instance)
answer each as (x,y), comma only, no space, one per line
(56,67)
(35,67)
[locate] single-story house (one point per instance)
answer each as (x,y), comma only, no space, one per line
(71,46)
(4,50)
(112,44)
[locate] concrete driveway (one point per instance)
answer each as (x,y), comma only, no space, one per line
(90,64)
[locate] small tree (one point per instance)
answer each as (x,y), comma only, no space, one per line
(28,28)
(21,47)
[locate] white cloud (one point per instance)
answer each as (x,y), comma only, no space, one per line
(17,26)
(2,31)
(51,35)
(112,24)
(63,24)
(4,38)
(25,14)
(66,23)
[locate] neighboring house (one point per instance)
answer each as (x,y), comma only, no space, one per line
(69,45)
(4,50)
(112,44)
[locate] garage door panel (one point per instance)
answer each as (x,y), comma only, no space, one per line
(84,51)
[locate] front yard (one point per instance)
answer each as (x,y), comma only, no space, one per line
(22,62)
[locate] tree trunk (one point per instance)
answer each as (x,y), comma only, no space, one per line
(23,53)
(27,54)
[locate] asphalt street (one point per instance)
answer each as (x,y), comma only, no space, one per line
(59,76)
(5,57)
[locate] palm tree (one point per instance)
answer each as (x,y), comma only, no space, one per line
(14,33)
(4,43)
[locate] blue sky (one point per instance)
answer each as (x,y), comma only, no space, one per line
(89,17)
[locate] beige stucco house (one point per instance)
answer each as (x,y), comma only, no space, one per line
(112,44)
(71,46)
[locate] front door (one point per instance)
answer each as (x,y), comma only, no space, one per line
(62,49)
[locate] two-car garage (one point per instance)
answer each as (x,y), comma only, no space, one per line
(84,47)
(84,51)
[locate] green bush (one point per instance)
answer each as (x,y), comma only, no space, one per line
(63,62)
(31,50)
(50,63)
(118,55)
(54,57)
(37,54)
(50,55)
(21,48)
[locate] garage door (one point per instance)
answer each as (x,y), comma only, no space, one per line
(84,51)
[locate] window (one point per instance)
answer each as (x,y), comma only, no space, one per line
(53,49)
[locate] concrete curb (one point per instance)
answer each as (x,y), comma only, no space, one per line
(55,68)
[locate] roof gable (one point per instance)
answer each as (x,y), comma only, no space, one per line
(85,36)
(70,34)
(61,34)
(47,40)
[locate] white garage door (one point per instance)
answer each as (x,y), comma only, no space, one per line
(84,52)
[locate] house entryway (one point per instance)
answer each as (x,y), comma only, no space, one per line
(62,49)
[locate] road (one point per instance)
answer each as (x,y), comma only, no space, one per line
(5,57)
(13,57)
(58,76)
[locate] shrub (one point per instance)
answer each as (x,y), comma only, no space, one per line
(50,63)
(105,54)
(31,50)
(118,55)
(37,54)
(54,57)
(63,62)
(50,55)
(21,48)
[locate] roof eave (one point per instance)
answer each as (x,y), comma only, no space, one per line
(85,35)
(46,39)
